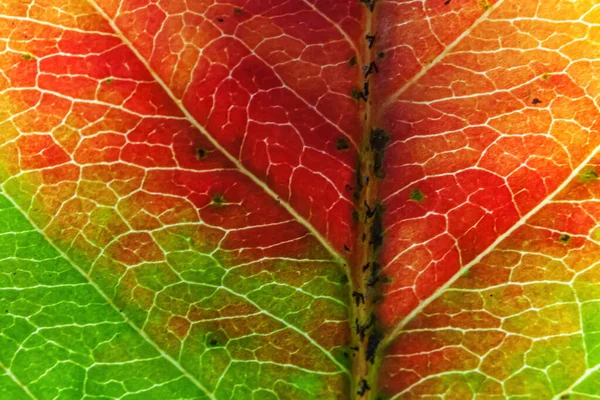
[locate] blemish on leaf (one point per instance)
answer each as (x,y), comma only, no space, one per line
(381,55)
(218,199)
(589,175)
(27,57)
(376,239)
(343,279)
(220,19)
(342,144)
(108,80)
(535,101)
(545,76)
(352,61)
(358,297)
(416,195)
(216,340)
(201,154)
(485,4)
(238,11)
(364,387)
(372,344)
(564,238)
(378,141)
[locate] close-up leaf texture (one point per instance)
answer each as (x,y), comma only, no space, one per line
(299,199)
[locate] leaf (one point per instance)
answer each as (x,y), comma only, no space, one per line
(306,199)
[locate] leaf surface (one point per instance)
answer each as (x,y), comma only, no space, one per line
(490,197)
(220,282)
(298,199)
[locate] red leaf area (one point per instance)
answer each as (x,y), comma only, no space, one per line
(467,135)
(270,82)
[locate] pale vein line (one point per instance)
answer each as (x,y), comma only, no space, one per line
(110,302)
(339,28)
(582,378)
(398,329)
(441,56)
(214,142)
(16,380)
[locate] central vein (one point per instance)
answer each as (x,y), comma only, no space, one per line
(368,216)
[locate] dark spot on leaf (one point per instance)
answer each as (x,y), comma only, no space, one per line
(536,101)
(216,339)
(344,279)
(376,239)
(564,238)
(358,297)
(108,80)
(346,248)
(220,19)
(374,278)
(362,329)
(589,175)
(342,144)
(378,140)
(27,57)
(416,195)
(201,154)
(363,387)
(218,199)
(447,2)
(359,184)
(352,61)
(381,55)
(238,11)
(372,345)
(370,69)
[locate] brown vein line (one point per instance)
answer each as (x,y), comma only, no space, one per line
(336,256)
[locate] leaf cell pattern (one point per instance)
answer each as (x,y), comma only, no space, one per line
(178,199)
